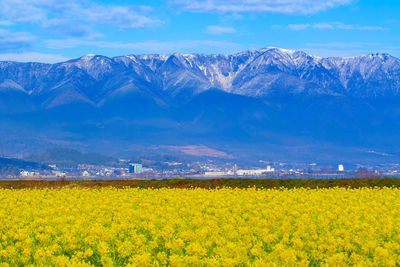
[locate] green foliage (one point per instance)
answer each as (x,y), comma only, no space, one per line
(208,183)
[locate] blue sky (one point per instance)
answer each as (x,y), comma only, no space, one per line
(54,30)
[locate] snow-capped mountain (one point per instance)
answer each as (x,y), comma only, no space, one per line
(259,73)
(263,95)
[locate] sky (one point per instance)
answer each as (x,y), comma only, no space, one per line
(53,30)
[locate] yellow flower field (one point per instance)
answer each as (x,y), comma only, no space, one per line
(199,227)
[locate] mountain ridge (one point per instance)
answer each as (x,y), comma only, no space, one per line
(263,99)
(269,70)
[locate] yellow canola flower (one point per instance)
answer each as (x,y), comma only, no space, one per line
(200,227)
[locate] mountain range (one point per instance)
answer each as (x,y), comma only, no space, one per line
(270,103)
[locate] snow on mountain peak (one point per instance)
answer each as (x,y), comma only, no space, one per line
(260,73)
(282,50)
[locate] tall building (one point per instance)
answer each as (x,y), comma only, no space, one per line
(135,168)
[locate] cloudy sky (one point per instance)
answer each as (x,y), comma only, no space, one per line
(54,30)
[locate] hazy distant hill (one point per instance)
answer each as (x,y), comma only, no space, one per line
(63,156)
(269,103)
(9,166)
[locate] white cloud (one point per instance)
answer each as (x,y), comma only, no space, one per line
(214,29)
(298,27)
(75,17)
(372,28)
(323,25)
(15,41)
(125,17)
(331,26)
(152,46)
(33,57)
(268,6)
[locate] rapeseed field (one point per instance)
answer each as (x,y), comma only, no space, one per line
(200,227)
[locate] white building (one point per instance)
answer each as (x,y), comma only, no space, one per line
(269,169)
(256,171)
(340,167)
(27,173)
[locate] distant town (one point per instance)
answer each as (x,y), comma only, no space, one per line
(125,169)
